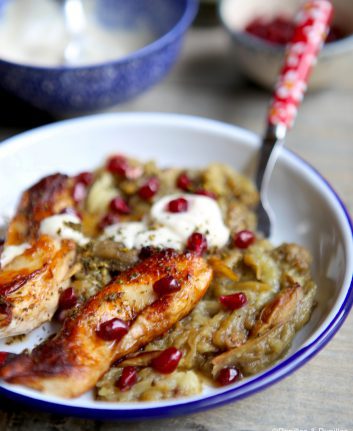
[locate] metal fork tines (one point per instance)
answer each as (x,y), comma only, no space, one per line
(271,144)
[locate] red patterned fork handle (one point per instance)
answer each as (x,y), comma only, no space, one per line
(312,26)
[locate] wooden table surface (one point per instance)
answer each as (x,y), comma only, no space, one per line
(206,83)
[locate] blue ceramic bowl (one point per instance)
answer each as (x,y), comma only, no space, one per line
(70,90)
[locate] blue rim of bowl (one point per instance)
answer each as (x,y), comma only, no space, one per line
(333,48)
(264,380)
(186,19)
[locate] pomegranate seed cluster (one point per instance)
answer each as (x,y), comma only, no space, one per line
(280,30)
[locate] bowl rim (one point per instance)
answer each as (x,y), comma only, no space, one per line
(260,382)
(338,47)
(187,17)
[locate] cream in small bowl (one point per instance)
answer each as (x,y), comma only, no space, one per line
(119,57)
(34,32)
(261,59)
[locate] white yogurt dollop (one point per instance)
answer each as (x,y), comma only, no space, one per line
(34,32)
(57,226)
(203,215)
(173,229)
(125,233)
(138,235)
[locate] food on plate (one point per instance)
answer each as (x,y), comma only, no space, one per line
(165,287)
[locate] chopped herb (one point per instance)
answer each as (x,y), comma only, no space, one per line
(73,226)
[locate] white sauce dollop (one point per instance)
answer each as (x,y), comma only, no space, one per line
(56,226)
(138,235)
(34,32)
(173,229)
(11,251)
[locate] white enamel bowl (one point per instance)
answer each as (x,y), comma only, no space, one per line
(308,212)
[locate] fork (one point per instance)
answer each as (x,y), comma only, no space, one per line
(312,26)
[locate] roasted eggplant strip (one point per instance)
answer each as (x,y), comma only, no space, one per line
(278,311)
(30,284)
(142,359)
(72,362)
(272,333)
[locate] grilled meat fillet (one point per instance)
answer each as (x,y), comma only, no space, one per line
(47,197)
(73,361)
(30,284)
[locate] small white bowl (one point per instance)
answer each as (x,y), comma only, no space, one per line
(261,60)
(308,212)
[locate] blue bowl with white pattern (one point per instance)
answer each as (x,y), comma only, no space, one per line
(69,90)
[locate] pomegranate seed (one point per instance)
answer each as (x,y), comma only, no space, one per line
(197,242)
(82,181)
(146,252)
(119,205)
(108,220)
(166,285)
(85,178)
(79,192)
(179,205)
(3,357)
(127,379)
(149,188)
(234,301)
(113,329)
(67,299)
(244,238)
(183,182)
(71,211)
(60,315)
(203,192)
(167,361)
(118,165)
(227,376)
(5,309)
(2,243)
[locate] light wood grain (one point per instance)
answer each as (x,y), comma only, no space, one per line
(206,82)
